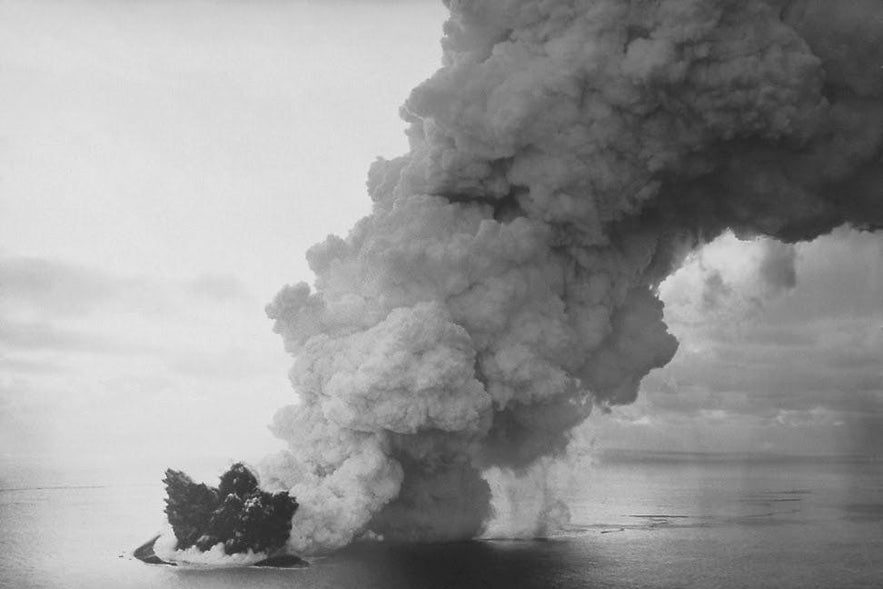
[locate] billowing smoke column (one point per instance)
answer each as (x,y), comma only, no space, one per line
(563,161)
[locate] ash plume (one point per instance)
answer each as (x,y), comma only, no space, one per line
(564,160)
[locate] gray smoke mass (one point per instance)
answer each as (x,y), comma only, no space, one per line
(563,161)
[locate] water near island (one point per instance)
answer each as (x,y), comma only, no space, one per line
(637,521)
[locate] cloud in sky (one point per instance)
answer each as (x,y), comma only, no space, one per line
(196,137)
(96,366)
(788,358)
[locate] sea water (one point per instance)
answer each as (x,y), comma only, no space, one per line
(636,521)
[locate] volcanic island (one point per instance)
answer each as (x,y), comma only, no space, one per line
(233,524)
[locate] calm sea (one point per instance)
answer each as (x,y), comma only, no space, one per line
(676,521)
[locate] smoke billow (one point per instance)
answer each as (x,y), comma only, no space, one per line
(563,161)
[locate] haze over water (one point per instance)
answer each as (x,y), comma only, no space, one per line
(637,521)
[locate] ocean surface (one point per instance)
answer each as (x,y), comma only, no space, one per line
(637,521)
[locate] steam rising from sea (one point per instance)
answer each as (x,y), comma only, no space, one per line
(564,160)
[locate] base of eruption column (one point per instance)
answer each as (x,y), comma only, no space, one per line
(233,524)
(146,554)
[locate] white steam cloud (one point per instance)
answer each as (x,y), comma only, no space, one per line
(563,161)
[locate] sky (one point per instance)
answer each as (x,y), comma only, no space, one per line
(165,165)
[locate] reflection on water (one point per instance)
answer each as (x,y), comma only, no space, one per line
(515,564)
(862,512)
(634,525)
(531,564)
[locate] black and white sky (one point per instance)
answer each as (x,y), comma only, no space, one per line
(166,165)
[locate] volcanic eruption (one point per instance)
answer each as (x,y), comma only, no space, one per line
(563,161)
